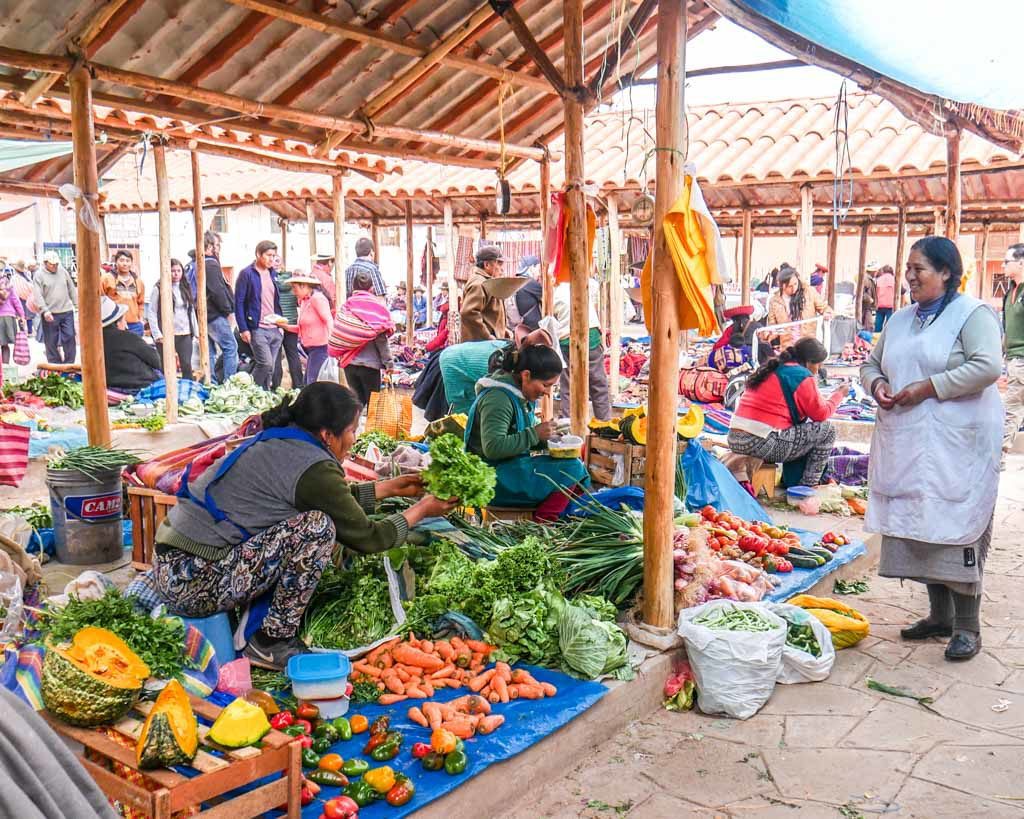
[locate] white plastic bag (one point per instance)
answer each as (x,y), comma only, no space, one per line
(735,671)
(11,606)
(329,371)
(799,666)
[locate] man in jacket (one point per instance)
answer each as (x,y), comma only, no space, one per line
(125,287)
(365,262)
(483,315)
(55,294)
(529,298)
(257,299)
(220,305)
(1013,340)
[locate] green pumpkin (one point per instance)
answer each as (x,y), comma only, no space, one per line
(170,735)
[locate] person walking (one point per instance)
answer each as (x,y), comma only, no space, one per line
(885,296)
(365,262)
(257,302)
(363,369)
(185,324)
(934,468)
(483,313)
(220,306)
(314,321)
(1013,343)
(56,294)
(600,400)
(12,317)
(125,287)
(290,340)
(22,283)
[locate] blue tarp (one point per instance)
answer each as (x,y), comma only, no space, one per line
(939,47)
(800,580)
(71,437)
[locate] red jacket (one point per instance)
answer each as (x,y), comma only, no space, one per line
(766,404)
(440,339)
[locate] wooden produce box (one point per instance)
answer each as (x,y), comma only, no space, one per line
(601,461)
(216,775)
(147,509)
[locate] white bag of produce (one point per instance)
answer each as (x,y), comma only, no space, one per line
(735,670)
(800,666)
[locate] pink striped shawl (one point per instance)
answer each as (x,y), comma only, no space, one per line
(359,321)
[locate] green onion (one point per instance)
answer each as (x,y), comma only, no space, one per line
(91,460)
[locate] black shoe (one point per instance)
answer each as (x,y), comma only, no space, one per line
(267,652)
(963,646)
(923,629)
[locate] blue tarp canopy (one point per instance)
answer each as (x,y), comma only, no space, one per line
(16,153)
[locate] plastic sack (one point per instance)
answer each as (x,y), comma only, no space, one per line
(735,670)
(710,483)
(16,528)
(235,677)
(799,666)
(11,606)
(329,371)
(847,625)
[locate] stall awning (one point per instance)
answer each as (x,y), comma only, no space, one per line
(16,153)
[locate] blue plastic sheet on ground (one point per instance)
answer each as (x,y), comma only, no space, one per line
(39,443)
(800,580)
(527,722)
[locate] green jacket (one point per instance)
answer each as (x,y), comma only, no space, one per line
(493,436)
(1013,322)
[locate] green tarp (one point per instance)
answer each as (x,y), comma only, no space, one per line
(16,153)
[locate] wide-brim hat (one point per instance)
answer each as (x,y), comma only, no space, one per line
(110,311)
(312,281)
(324,257)
(504,287)
(871,267)
(51,257)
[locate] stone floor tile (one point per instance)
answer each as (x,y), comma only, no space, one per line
(973,705)
(712,772)
(927,800)
(763,732)
(984,669)
(613,784)
(917,679)
(837,775)
(889,652)
(851,666)
(779,808)
(815,732)
(819,698)
(664,806)
(990,772)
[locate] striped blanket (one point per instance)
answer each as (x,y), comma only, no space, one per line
(359,321)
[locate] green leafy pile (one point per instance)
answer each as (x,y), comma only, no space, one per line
(54,389)
(351,608)
(526,628)
(37,515)
(159,642)
(521,568)
(384,442)
(454,584)
(455,473)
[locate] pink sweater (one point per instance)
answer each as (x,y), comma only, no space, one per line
(315,320)
(11,306)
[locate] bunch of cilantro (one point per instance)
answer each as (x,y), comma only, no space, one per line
(455,473)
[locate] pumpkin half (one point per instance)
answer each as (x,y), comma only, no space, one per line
(93,681)
(238,725)
(170,735)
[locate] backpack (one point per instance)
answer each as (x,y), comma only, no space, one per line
(703,384)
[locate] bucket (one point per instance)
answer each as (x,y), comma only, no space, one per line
(86,515)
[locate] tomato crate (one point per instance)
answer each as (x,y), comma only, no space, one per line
(108,754)
(604,457)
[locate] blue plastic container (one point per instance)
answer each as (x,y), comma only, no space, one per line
(217,629)
(319,676)
(796,494)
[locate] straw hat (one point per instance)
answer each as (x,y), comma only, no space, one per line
(303,278)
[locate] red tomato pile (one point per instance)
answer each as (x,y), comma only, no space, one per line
(756,543)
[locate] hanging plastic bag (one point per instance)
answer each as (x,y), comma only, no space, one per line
(735,670)
(22,355)
(800,666)
(710,483)
(329,371)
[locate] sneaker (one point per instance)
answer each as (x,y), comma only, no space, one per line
(270,652)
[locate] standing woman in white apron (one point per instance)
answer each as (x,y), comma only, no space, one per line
(934,469)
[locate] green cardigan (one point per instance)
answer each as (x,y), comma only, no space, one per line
(494,436)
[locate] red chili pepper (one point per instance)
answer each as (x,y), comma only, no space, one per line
(420,750)
(306,725)
(282,720)
(828,537)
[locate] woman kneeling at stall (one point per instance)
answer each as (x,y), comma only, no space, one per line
(503,430)
(266,517)
(782,418)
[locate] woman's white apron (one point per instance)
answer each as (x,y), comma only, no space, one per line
(934,468)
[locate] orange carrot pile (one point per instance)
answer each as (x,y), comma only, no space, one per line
(465,717)
(411,668)
(502,683)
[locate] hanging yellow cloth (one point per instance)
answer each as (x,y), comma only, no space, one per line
(563,274)
(694,244)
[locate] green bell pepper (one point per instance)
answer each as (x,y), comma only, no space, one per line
(321,745)
(310,758)
(355,767)
(326,730)
(343,728)
(361,793)
(295,730)
(388,749)
(455,763)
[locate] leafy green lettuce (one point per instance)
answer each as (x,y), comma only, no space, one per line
(590,648)
(455,473)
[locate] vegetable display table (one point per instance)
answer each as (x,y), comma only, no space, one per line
(208,778)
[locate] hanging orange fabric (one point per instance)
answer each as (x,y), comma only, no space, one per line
(694,245)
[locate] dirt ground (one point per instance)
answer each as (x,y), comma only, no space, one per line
(838,748)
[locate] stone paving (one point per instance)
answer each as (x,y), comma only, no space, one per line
(838,748)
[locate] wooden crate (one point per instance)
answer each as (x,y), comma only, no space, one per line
(217,775)
(601,461)
(147,509)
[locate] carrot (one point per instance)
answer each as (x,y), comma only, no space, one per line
(488,725)
(459,645)
(427,646)
(413,691)
(381,649)
(513,691)
(451,683)
(381,687)
(476,669)
(500,687)
(476,659)
(493,697)
(480,681)
(531,692)
(548,689)
(463,729)
(427,689)
(444,650)
(368,670)
(477,705)
(447,711)
(408,655)
(384,661)
(391,699)
(402,674)
(505,670)
(478,645)
(447,671)
(433,715)
(394,685)
(521,675)
(416,715)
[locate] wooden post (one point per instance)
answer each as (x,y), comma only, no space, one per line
(833,252)
(862,273)
(483,227)
(939,223)
(338,210)
(410,263)
(201,315)
(984,286)
(311,230)
(954,188)
(663,399)
(901,240)
(166,298)
(576,242)
(748,249)
(429,257)
(375,238)
(805,233)
(450,249)
(615,293)
(94,373)
(547,281)
(284,240)
(104,245)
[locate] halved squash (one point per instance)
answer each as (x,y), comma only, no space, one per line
(170,735)
(238,725)
(105,652)
(634,429)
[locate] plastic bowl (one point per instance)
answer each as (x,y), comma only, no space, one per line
(796,495)
(566,447)
(319,676)
(332,709)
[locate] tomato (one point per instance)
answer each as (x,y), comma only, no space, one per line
(839,540)
(340,807)
(420,750)
(828,537)
(307,711)
(708,512)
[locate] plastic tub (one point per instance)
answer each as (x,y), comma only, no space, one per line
(566,447)
(319,676)
(332,709)
(795,495)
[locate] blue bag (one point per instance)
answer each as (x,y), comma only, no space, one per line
(710,483)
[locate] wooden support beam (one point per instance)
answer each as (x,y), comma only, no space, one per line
(547,280)
(338,210)
(19,188)
(283,224)
(400,84)
(451,247)
(954,185)
(87,243)
(862,263)
(901,241)
(532,48)
(166,297)
(576,242)
(663,398)
(145,82)
(429,267)
(311,232)
(833,274)
(984,284)
(938,223)
(104,245)
(201,313)
(389,42)
(805,233)
(748,249)
(611,58)
(410,265)
(615,293)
